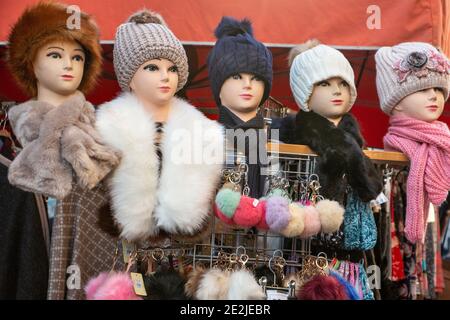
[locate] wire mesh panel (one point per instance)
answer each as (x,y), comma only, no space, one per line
(297,170)
(259,247)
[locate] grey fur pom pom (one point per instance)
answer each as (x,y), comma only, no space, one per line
(301,48)
(146,16)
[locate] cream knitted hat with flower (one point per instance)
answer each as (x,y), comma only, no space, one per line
(407,68)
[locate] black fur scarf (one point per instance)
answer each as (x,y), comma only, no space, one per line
(340,153)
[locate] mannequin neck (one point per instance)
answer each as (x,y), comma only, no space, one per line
(232,121)
(335,121)
(159,112)
(51,97)
(244,116)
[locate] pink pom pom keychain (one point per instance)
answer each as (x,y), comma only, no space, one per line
(112,285)
(235,207)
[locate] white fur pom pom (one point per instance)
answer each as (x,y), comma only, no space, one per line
(213,285)
(297,223)
(331,215)
(243,286)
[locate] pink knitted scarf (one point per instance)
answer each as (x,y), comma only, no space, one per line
(427,145)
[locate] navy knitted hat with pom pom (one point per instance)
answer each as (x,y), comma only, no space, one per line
(237,51)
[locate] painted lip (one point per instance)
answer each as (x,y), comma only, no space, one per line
(433,108)
(164,88)
(337,101)
(67,77)
(246,96)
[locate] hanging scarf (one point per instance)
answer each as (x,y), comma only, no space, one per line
(60,147)
(427,145)
(178,197)
(340,153)
(231,121)
(360,230)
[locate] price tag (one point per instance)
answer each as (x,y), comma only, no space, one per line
(382,198)
(138,284)
(276,295)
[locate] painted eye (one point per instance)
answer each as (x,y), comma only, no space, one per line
(256,78)
(78,58)
(54,55)
(323,84)
(151,67)
(173,69)
(236,76)
(344,83)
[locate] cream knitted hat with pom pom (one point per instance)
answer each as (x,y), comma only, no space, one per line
(313,62)
(145,36)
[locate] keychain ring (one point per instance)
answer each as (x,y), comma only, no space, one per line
(160,252)
(278,250)
(239,248)
(243,259)
(324,265)
(233,258)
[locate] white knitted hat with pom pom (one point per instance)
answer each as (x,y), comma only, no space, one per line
(145,36)
(312,63)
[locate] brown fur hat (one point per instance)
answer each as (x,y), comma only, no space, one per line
(43,23)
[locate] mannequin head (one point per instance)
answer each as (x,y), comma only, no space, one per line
(426,105)
(155,81)
(242,94)
(42,48)
(413,80)
(147,56)
(58,68)
(150,62)
(238,64)
(322,80)
(330,98)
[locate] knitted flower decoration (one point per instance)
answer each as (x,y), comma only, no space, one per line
(420,64)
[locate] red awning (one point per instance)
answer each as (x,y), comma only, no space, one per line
(345,23)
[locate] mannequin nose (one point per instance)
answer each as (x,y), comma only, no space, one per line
(432,96)
(336,90)
(164,76)
(68,64)
(247,82)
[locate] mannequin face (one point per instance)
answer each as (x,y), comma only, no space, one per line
(58,67)
(242,93)
(426,105)
(330,98)
(155,82)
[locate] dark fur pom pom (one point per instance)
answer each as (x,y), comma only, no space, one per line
(165,285)
(322,287)
(231,27)
(146,16)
